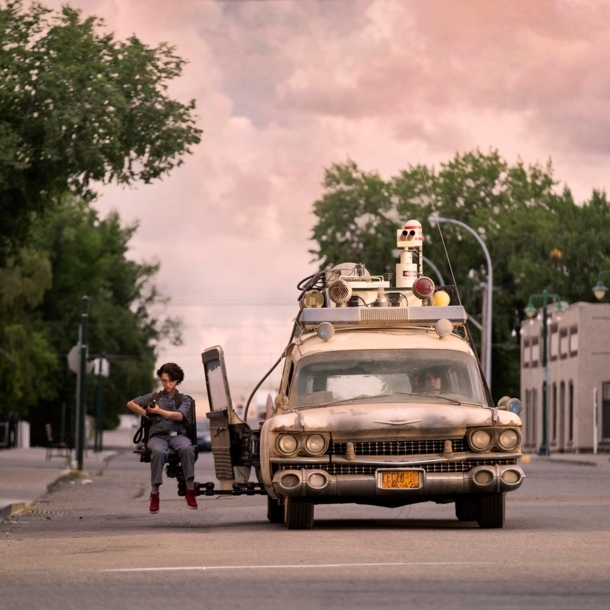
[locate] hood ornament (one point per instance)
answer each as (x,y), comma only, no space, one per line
(398,422)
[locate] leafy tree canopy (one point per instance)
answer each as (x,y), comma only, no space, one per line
(72,253)
(77,107)
(536,234)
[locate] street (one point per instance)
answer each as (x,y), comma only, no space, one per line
(94,545)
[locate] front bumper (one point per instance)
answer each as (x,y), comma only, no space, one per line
(313,482)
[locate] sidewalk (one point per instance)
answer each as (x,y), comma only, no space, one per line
(25,475)
(582,459)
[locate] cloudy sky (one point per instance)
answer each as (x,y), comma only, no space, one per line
(284,88)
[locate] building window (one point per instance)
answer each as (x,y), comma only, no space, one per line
(528,408)
(563,343)
(534,416)
(606,411)
(570,412)
(554,344)
(554,413)
(535,352)
(562,413)
(573,341)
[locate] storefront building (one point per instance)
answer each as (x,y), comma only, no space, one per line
(578,388)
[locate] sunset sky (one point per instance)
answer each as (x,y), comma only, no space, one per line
(284,88)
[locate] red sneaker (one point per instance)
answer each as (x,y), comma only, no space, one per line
(154,503)
(191,500)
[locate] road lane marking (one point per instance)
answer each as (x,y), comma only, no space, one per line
(299,566)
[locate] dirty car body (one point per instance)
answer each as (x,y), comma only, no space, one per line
(381,402)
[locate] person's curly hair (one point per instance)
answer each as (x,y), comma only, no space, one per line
(173,370)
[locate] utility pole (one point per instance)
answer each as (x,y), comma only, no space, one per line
(81,409)
(101,369)
(530,311)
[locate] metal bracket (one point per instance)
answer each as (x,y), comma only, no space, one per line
(239,489)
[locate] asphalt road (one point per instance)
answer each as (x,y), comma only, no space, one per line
(94,545)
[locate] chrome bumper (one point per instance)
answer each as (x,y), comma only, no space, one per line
(480,479)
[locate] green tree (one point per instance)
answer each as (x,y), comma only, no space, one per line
(27,359)
(78,253)
(536,234)
(78,107)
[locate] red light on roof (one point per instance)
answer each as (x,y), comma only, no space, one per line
(423,287)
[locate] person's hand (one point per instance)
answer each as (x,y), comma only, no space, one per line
(153,409)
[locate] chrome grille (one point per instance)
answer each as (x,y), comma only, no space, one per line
(370,469)
(415,447)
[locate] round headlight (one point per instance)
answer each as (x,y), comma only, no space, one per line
(511,477)
(480,440)
(290,480)
(315,444)
(508,439)
(316,480)
(287,444)
(483,477)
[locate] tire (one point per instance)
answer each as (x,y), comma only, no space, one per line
(298,514)
(275,511)
(466,510)
(491,510)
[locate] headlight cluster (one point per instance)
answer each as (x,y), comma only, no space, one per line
(507,439)
(307,444)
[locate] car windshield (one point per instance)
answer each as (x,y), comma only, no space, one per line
(415,375)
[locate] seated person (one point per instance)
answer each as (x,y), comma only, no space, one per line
(427,381)
(432,382)
(168,430)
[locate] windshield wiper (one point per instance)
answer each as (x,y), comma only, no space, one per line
(336,402)
(455,402)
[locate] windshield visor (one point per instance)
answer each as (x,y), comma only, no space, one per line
(387,376)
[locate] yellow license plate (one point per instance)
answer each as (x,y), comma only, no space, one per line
(400,479)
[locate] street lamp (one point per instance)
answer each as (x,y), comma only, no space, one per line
(433,220)
(530,312)
(600,290)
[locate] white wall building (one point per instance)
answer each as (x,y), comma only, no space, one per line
(578,359)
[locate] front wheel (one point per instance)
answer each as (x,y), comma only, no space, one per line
(466,510)
(275,511)
(298,514)
(491,510)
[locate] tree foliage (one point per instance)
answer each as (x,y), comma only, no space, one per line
(77,107)
(75,253)
(536,235)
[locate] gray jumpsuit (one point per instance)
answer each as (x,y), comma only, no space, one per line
(165,434)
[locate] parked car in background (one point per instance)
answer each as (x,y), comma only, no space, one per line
(204,440)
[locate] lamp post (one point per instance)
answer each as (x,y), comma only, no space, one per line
(441,280)
(530,312)
(600,289)
(486,352)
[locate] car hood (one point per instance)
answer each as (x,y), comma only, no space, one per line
(390,416)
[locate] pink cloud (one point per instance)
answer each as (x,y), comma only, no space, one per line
(284,89)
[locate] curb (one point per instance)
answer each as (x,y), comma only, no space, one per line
(12,509)
(576,462)
(564,460)
(18,507)
(51,486)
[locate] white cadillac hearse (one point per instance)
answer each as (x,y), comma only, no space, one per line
(381,402)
